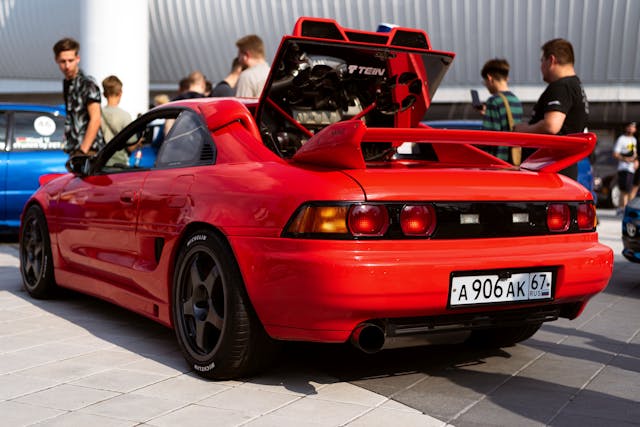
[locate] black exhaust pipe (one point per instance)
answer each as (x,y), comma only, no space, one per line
(368,337)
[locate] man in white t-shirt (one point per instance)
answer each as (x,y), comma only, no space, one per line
(626,152)
(251,55)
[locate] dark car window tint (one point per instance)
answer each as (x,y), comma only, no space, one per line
(185,144)
(3,131)
(37,131)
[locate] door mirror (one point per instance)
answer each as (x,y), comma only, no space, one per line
(79,165)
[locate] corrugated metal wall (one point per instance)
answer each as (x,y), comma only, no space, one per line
(201,34)
(605,33)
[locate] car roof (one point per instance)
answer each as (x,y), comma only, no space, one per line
(52,109)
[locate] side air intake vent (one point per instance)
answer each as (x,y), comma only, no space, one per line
(206,155)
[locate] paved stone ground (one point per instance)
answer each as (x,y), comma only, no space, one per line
(78,360)
(584,372)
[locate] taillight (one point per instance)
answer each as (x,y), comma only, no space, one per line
(586,216)
(417,220)
(320,220)
(558,217)
(368,220)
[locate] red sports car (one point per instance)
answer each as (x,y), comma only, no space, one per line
(321,212)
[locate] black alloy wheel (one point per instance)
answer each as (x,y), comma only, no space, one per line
(217,330)
(36,263)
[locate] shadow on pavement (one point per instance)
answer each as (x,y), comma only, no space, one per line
(453,382)
(460,385)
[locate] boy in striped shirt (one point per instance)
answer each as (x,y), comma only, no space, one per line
(503,109)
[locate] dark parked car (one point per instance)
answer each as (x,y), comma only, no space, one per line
(631,231)
(605,172)
(30,146)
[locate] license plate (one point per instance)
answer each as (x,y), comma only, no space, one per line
(500,287)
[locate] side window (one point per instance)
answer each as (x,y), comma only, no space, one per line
(124,153)
(136,147)
(37,131)
(188,143)
(3,131)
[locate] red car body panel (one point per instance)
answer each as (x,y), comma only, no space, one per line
(320,291)
(117,235)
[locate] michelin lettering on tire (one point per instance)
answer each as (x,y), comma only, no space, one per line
(196,238)
(205,368)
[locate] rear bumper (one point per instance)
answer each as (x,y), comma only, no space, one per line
(320,290)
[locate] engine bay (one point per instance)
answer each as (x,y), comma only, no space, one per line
(315,84)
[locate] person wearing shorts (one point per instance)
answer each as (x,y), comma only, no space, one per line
(625,151)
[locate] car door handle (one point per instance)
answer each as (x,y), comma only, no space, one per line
(128,197)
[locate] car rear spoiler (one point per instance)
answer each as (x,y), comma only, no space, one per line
(339,146)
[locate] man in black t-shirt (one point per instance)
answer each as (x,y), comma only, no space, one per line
(562,109)
(197,87)
(227,87)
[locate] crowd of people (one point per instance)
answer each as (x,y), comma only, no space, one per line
(89,125)
(561,109)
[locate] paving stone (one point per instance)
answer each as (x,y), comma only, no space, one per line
(186,388)
(348,393)
(606,407)
(613,381)
(384,417)
(61,371)
(66,397)
(133,407)
(198,415)
(319,411)
(572,372)
(262,401)
(19,414)
(76,419)
(119,380)
(13,386)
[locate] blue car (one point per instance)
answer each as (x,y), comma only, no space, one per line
(151,140)
(631,231)
(31,138)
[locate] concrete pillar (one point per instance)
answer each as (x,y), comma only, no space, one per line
(114,39)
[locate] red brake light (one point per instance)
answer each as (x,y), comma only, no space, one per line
(558,217)
(417,220)
(368,220)
(586,216)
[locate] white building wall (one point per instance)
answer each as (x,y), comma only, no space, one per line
(200,34)
(114,40)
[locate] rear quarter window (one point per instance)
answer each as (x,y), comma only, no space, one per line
(37,131)
(188,143)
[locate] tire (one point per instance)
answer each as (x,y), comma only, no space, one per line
(219,334)
(502,337)
(36,261)
(614,195)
